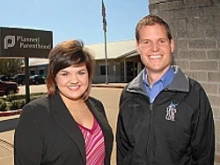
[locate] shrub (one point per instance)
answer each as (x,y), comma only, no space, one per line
(3,105)
(4,98)
(14,102)
(15,97)
(17,104)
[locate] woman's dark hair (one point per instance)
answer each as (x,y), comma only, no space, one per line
(65,54)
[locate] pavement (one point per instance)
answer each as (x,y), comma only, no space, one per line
(8,122)
(7,126)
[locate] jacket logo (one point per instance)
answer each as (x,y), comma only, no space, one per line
(171,111)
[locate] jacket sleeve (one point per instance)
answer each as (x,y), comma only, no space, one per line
(203,133)
(122,143)
(27,139)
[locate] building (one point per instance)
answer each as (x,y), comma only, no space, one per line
(123,62)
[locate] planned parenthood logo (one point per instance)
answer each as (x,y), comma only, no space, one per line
(9,41)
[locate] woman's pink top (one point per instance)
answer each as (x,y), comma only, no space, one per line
(95,146)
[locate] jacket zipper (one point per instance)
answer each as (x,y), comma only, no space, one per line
(151,107)
(150,122)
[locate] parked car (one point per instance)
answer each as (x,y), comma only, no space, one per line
(19,78)
(5,78)
(37,79)
(7,88)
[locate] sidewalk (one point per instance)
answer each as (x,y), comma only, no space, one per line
(110,85)
(7,137)
(6,143)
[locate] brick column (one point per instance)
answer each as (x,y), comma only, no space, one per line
(195,26)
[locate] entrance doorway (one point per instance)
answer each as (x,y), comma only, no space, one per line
(131,70)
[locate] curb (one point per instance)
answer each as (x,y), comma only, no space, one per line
(10,113)
(108,86)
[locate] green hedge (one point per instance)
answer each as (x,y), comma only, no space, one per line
(14,102)
(3,105)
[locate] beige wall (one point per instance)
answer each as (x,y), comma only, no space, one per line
(113,75)
(115,69)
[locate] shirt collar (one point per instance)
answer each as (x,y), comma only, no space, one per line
(165,79)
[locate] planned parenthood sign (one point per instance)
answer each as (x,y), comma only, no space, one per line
(17,42)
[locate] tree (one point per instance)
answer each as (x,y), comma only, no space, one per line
(10,66)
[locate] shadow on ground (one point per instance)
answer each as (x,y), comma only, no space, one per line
(8,125)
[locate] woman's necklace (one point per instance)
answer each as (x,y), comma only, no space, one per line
(78,112)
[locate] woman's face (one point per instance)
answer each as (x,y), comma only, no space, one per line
(72,82)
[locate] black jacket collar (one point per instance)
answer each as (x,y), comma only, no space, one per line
(179,83)
(64,119)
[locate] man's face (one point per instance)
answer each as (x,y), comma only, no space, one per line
(155,48)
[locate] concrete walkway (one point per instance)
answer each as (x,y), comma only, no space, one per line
(7,125)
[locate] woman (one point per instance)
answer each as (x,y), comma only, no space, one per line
(68,127)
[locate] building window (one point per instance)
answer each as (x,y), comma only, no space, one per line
(102,70)
(32,72)
(41,72)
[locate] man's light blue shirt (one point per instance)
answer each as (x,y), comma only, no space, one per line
(159,85)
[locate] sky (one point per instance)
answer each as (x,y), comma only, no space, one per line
(75,19)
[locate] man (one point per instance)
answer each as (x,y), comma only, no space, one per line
(165,117)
